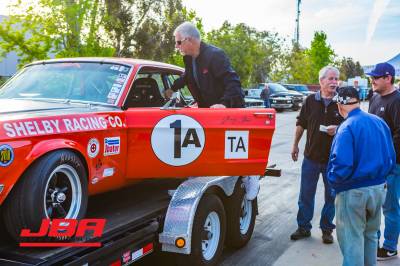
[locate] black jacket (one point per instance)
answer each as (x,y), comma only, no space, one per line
(388,108)
(313,114)
(219,83)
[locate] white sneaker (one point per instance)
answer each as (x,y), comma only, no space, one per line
(252,186)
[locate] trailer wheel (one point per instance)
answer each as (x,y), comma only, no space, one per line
(55,186)
(208,233)
(241,217)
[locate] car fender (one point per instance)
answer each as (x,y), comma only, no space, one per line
(37,151)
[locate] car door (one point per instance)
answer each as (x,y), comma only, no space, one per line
(182,142)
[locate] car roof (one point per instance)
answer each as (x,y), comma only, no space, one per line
(115,60)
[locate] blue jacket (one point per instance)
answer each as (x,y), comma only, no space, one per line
(362,152)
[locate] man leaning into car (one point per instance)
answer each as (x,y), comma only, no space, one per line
(319,115)
(208,72)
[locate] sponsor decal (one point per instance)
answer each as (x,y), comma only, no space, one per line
(108,172)
(112,95)
(126,257)
(177,140)
(6,155)
(63,229)
(53,126)
(95,180)
(93,147)
(112,146)
(236,144)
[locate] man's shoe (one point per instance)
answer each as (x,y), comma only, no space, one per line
(384,254)
(300,234)
(327,237)
(252,186)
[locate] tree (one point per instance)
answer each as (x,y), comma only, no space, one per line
(300,66)
(349,69)
(252,53)
(144,28)
(320,53)
(61,27)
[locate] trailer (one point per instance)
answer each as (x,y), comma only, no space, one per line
(193,219)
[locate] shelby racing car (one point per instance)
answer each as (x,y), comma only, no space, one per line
(70,128)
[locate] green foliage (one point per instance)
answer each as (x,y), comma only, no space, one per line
(320,53)
(300,67)
(252,53)
(349,69)
(62,27)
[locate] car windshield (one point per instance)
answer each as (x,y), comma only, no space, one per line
(300,88)
(88,82)
(276,88)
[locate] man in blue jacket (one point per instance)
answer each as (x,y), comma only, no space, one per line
(362,155)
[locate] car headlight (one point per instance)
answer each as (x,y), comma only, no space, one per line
(274,101)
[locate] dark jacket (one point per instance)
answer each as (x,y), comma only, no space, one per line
(313,114)
(362,152)
(218,82)
(388,108)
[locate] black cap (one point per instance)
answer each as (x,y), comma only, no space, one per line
(345,94)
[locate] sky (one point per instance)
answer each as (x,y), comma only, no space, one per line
(366,30)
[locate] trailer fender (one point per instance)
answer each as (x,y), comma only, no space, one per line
(182,209)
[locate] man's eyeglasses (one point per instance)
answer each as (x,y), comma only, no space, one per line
(180,41)
(376,78)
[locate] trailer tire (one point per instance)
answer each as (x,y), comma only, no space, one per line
(241,216)
(210,214)
(54,186)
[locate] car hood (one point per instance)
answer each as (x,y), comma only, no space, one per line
(14,109)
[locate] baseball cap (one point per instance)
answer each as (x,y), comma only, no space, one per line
(382,69)
(345,94)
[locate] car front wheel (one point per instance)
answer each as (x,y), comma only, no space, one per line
(53,187)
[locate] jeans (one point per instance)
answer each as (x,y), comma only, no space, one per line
(266,103)
(310,171)
(391,210)
(358,217)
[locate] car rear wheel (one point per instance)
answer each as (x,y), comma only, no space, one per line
(54,187)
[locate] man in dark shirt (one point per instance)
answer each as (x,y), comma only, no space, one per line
(385,103)
(208,72)
(319,115)
(265,96)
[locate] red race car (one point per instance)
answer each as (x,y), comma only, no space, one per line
(70,128)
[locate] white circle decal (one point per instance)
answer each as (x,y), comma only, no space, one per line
(93,148)
(177,140)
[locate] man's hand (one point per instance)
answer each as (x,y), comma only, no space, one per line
(331,130)
(168,93)
(295,153)
(218,106)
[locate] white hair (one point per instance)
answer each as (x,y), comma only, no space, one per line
(325,69)
(187,29)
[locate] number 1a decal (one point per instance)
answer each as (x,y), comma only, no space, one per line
(178,140)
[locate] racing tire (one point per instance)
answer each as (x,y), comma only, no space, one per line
(208,233)
(279,110)
(54,186)
(296,108)
(241,216)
